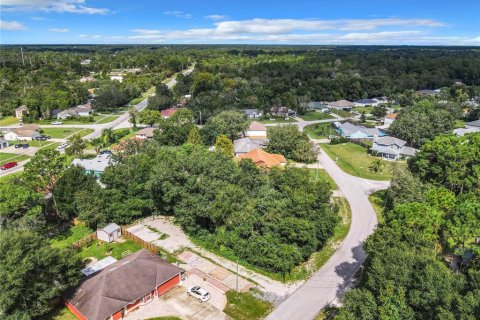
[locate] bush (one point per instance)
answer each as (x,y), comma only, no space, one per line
(338,140)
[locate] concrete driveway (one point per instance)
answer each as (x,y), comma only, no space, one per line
(177,303)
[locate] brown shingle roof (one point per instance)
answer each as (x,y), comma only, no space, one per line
(104,293)
(147,132)
(257,126)
(168,112)
(263,158)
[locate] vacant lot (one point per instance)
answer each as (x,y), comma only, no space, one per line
(315,115)
(320,130)
(62,132)
(354,160)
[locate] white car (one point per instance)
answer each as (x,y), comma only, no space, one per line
(201,294)
(62,146)
(56,122)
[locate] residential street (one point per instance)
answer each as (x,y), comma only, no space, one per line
(328,284)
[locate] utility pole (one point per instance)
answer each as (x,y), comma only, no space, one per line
(200,117)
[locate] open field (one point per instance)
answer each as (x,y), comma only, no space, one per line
(62,132)
(315,115)
(8,157)
(244,306)
(320,130)
(8,121)
(354,160)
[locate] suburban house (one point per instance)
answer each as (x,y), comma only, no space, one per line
(145,133)
(122,287)
(85,62)
(315,105)
(245,145)
(389,119)
(427,92)
(26,133)
(83,110)
(264,159)
(87,79)
(381,100)
(3,143)
(167,113)
(116,76)
(93,166)
(352,131)
(109,233)
(20,111)
(256,130)
(392,148)
(253,113)
(365,102)
(470,127)
(282,112)
(341,105)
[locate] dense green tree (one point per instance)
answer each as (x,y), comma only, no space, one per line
(76,145)
(32,273)
(224,145)
(379,111)
(149,117)
(292,143)
(194,137)
(20,206)
(229,123)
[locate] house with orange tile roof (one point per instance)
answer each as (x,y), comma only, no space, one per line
(264,159)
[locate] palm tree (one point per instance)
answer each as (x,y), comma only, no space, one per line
(376,166)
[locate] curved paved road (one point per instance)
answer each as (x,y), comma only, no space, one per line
(327,285)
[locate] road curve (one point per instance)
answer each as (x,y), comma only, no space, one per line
(328,284)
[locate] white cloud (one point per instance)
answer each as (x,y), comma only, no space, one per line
(179,14)
(216,17)
(58,30)
(11,25)
(59,6)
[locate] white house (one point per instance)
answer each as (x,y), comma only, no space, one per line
(392,148)
(26,133)
(93,166)
(117,78)
(3,143)
(365,102)
(340,105)
(256,130)
(145,133)
(83,110)
(85,62)
(109,233)
(252,113)
(352,131)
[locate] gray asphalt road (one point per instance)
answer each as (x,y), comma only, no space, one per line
(327,285)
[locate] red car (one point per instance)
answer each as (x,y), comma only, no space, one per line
(8,165)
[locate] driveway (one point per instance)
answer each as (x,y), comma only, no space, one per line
(328,284)
(177,303)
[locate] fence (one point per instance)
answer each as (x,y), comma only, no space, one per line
(80,243)
(366,143)
(147,245)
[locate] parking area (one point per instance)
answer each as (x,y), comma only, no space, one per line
(30,151)
(178,303)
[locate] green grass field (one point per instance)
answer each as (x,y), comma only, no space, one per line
(315,115)
(107,119)
(323,175)
(99,249)
(361,109)
(244,306)
(377,199)
(8,121)
(354,160)
(8,157)
(320,130)
(70,236)
(59,313)
(62,132)
(8,178)
(276,120)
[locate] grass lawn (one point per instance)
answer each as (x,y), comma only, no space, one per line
(277,120)
(51,145)
(61,132)
(59,313)
(244,306)
(323,175)
(8,157)
(377,199)
(320,130)
(354,160)
(8,121)
(315,115)
(107,119)
(459,124)
(361,109)
(341,113)
(147,93)
(99,249)
(70,236)
(8,178)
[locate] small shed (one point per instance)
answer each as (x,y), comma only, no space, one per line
(109,233)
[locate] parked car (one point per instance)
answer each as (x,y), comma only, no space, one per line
(201,294)
(56,122)
(105,152)
(62,146)
(42,137)
(22,145)
(8,165)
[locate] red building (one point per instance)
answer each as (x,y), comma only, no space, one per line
(122,287)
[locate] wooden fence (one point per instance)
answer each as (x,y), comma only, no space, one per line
(147,245)
(80,243)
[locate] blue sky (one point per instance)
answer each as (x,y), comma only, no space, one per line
(420,22)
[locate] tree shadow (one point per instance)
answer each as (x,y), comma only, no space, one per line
(349,270)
